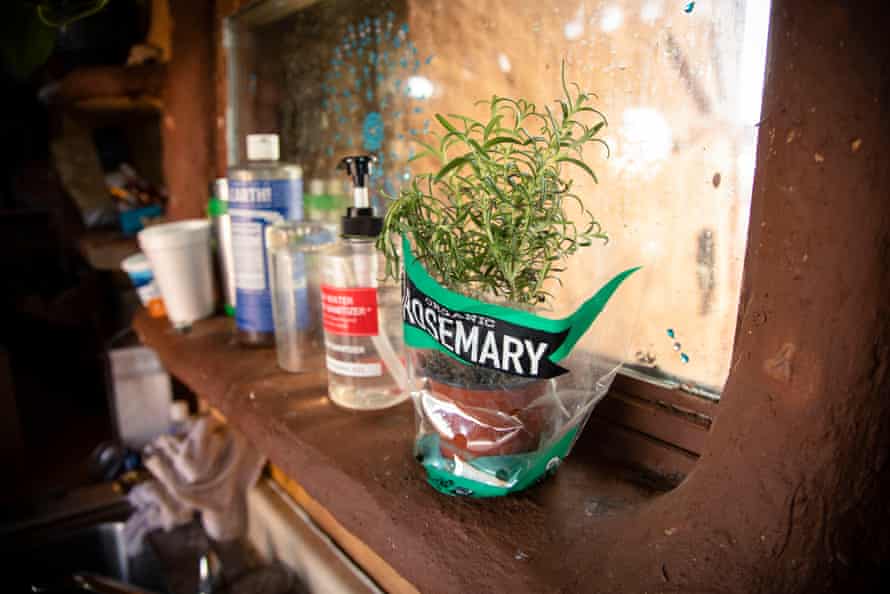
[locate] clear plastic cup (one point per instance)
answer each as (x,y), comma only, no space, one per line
(296,307)
(180,258)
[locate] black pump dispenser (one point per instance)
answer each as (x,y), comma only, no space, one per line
(360,220)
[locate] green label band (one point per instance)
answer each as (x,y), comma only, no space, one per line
(518,472)
(492,336)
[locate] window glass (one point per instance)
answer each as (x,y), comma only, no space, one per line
(680,83)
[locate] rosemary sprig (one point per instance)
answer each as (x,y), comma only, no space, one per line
(493,220)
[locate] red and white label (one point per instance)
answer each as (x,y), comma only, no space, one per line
(349,312)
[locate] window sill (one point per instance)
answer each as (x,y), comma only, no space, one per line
(358,468)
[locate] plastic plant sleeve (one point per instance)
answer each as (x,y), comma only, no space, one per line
(501,393)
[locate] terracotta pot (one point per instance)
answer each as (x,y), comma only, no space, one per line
(486,420)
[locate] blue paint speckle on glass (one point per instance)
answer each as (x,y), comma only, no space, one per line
(670,333)
(372,132)
(690,6)
(366,88)
(684,357)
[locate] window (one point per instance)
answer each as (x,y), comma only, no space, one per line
(679,81)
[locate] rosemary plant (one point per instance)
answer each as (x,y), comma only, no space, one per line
(495,220)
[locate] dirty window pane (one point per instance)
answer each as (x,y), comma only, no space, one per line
(680,82)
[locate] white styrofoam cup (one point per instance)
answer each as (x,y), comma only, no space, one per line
(180,258)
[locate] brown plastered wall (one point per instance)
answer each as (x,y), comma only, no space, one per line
(790,494)
(189,109)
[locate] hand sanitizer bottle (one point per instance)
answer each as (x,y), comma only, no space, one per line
(361,314)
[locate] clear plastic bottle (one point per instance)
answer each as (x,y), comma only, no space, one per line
(361,314)
(262,192)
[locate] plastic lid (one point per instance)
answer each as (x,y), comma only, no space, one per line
(262,147)
(136,263)
(179,411)
(327,203)
(310,202)
(217,207)
(316,187)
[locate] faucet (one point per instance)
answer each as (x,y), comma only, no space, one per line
(209,572)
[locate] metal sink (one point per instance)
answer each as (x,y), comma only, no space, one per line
(83,533)
(100,548)
(44,542)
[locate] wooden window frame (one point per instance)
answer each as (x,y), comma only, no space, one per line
(658,432)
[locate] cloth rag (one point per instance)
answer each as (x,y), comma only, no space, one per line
(155,508)
(209,470)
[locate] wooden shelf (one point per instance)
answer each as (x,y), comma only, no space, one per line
(359,469)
